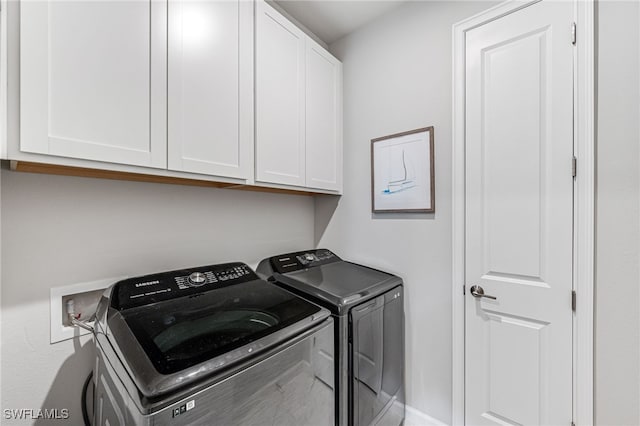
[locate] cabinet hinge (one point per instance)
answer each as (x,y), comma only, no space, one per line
(573,300)
(574,36)
(574,166)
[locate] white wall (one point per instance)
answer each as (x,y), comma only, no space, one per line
(1,336)
(62,230)
(617,304)
(397,77)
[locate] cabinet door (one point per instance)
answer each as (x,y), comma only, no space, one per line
(211,87)
(93,80)
(323,119)
(280,85)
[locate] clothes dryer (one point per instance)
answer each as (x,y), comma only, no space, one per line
(367,307)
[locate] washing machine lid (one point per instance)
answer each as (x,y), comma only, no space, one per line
(329,280)
(170,335)
(180,333)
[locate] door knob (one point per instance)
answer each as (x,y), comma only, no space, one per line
(477,291)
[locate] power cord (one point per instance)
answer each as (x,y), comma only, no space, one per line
(74,319)
(83,403)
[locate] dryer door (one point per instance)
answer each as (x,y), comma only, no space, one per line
(378,360)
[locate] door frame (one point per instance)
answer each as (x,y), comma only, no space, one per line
(583,214)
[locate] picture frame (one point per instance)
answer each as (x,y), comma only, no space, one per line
(402,172)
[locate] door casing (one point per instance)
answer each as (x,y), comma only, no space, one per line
(584,204)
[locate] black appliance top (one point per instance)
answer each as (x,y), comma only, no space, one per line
(323,277)
(200,319)
(153,288)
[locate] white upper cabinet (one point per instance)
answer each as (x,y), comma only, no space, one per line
(298,106)
(280,103)
(225,88)
(210,84)
(93,80)
(323,119)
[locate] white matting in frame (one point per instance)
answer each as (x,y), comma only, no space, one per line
(402,172)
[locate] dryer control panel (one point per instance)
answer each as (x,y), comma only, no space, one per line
(302,260)
(148,289)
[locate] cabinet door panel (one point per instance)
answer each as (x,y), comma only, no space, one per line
(280,85)
(210,87)
(323,119)
(93,80)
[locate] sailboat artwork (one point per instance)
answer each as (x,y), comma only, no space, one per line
(406,182)
(402,172)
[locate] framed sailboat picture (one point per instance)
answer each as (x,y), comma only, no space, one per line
(402,173)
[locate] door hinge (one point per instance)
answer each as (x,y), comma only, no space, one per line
(573,300)
(464,290)
(573,424)
(574,166)
(574,36)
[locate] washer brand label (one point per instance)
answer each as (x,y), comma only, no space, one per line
(147,283)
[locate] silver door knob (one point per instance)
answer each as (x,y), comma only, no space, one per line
(477,291)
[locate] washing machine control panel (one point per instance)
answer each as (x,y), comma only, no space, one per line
(302,260)
(228,275)
(134,292)
(197,279)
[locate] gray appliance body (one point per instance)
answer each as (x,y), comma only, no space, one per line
(368,310)
(221,349)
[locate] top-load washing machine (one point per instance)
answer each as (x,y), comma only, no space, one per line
(212,345)
(368,312)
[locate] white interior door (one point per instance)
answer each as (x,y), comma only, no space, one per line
(519,218)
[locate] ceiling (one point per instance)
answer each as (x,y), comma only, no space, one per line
(330,20)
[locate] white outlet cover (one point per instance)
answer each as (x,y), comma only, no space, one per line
(60,332)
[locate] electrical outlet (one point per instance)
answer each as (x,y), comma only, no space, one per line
(85,300)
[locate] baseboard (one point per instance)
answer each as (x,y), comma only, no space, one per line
(414,417)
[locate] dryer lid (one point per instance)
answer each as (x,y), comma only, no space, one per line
(339,285)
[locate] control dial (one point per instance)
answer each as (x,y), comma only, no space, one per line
(197,279)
